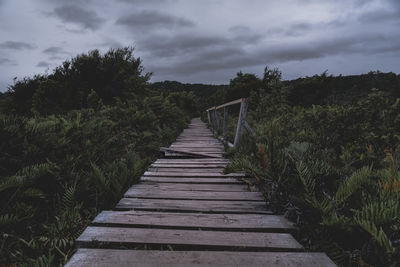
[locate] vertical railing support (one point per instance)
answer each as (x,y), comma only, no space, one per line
(213,118)
(209,118)
(241,121)
(217,124)
(225,123)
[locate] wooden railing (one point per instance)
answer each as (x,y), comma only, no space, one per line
(214,120)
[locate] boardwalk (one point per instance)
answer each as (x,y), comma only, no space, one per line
(186,212)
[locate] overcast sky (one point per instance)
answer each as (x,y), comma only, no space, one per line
(205,41)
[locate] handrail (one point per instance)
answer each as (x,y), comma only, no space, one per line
(227,104)
(214,121)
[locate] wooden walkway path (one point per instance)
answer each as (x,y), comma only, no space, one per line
(185,212)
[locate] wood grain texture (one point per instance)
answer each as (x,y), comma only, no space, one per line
(148,258)
(195,195)
(193,174)
(194,180)
(211,206)
(237,222)
(214,240)
(193,187)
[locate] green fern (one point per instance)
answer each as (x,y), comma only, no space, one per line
(350,185)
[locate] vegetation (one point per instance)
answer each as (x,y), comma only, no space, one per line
(73,142)
(332,168)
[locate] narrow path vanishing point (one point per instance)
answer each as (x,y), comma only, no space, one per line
(186,212)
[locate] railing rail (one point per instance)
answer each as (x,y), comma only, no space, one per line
(214,120)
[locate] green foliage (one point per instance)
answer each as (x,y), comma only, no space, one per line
(332,168)
(58,171)
(80,83)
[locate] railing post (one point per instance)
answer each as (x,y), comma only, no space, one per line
(240,124)
(225,123)
(209,118)
(217,120)
(213,120)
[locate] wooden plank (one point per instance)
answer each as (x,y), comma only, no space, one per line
(193,187)
(198,149)
(151,258)
(194,221)
(192,180)
(178,151)
(195,195)
(185,170)
(211,206)
(196,146)
(187,166)
(203,149)
(194,174)
(192,161)
(213,240)
(180,155)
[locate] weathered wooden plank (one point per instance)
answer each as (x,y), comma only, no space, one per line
(194,180)
(197,154)
(185,170)
(200,160)
(213,240)
(195,195)
(203,149)
(198,140)
(234,222)
(180,155)
(194,174)
(193,187)
(152,258)
(189,166)
(212,206)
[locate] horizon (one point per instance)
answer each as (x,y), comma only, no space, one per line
(207,42)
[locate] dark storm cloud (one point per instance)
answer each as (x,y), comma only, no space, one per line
(55,50)
(174,45)
(182,44)
(16,45)
(152,18)
(78,15)
(231,58)
(43,64)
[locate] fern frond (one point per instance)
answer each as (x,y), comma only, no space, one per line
(350,185)
(379,235)
(379,212)
(68,198)
(7,219)
(306,177)
(12,181)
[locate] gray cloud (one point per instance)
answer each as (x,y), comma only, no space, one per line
(203,40)
(144,1)
(152,18)
(75,14)
(55,50)
(16,45)
(231,58)
(4,61)
(174,45)
(43,64)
